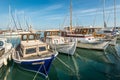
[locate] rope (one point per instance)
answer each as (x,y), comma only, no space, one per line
(65,64)
(45,71)
(37,72)
(76,67)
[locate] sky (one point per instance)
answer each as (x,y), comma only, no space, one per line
(54,14)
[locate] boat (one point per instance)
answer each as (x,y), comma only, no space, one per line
(60,43)
(6,51)
(109,35)
(84,35)
(34,55)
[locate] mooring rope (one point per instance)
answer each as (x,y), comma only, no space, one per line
(76,68)
(65,64)
(37,72)
(45,71)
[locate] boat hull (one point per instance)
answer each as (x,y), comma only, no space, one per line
(68,48)
(84,38)
(41,66)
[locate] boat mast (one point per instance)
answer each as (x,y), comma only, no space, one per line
(70,15)
(114,14)
(104,14)
(9,18)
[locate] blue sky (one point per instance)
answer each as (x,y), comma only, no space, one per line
(50,14)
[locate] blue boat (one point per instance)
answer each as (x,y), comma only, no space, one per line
(34,55)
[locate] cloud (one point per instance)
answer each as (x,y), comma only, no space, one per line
(94,11)
(53,7)
(46,9)
(19,12)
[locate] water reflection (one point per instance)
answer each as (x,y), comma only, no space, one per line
(84,65)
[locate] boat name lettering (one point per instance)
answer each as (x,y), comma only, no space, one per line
(35,63)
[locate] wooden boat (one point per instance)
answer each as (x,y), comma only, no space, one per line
(33,54)
(84,35)
(61,44)
(88,38)
(5,51)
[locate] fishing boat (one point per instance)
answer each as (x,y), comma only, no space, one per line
(6,51)
(84,35)
(61,44)
(34,55)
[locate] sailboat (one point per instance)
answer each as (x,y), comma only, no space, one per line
(109,33)
(34,55)
(81,37)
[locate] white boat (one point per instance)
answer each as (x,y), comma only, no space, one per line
(61,44)
(109,35)
(33,54)
(6,51)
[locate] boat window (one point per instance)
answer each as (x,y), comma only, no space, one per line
(31,37)
(62,40)
(107,31)
(24,37)
(55,33)
(59,33)
(89,39)
(48,33)
(1,43)
(42,48)
(30,50)
(55,41)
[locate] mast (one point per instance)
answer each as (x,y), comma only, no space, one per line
(114,14)
(14,21)
(9,18)
(70,15)
(104,14)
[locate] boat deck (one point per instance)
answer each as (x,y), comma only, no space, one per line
(100,46)
(44,55)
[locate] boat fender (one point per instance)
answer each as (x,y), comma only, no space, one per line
(9,57)
(5,61)
(48,47)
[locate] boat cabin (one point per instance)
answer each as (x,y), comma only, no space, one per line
(55,40)
(53,33)
(86,30)
(31,45)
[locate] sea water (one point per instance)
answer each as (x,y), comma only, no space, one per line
(85,64)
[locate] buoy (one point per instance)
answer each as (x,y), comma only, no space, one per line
(9,57)
(48,47)
(5,61)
